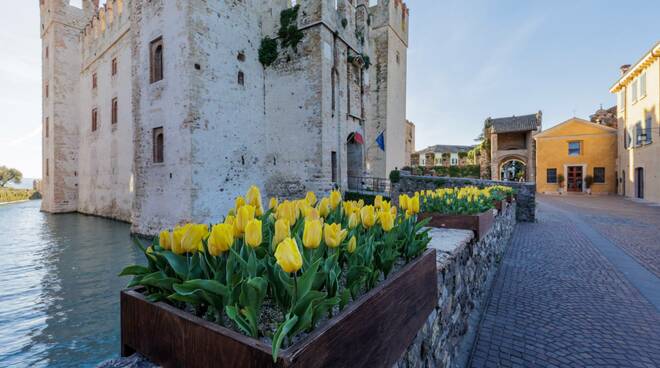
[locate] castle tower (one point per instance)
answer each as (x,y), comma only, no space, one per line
(60,33)
(389,41)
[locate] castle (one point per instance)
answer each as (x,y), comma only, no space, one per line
(162,111)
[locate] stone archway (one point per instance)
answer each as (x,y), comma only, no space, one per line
(354,155)
(513,169)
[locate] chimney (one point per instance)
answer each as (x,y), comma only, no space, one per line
(624,68)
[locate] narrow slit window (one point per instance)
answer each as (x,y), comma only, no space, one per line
(333,163)
(114,66)
(46,127)
(241,78)
(115,108)
(94,81)
(156,60)
(95,119)
(159,145)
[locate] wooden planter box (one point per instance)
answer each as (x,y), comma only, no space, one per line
(373,331)
(500,205)
(479,223)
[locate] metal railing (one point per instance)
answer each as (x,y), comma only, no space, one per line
(366,184)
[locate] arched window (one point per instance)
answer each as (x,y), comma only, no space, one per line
(156,59)
(159,145)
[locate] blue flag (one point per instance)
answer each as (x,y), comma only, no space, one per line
(380,140)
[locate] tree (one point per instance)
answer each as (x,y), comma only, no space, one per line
(9,175)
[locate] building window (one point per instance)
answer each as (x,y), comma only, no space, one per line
(333,163)
(156,59)
(114,111)
(647,128)
(95,119)
(454,161)
(240,56)
(551,175)
(634,90)
(94,81)
(241,78)
(599,175)
(159,145)
(574,148)
(46,91)
(47,167)
(642,85)
(639,134)
(46,52)
(114,66)
(46,127)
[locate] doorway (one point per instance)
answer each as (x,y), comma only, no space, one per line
(639,182)
(574,179)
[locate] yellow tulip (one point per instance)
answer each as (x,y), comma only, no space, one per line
(368,216)
(312,214)
(393,211)
(301,207)
(360,203)
(177,236)
(353,220)
(348,207)
(245,214)
(165,239)
(310,198)
(192,237)
(312,234)
(240,202)
(352,244)
(253,198)
(282,230)
(253,234)
(384,206)
(221,239)
(378,201)
(414,204)
(335,199)
(288,256)
(386,220)
(409,213)
(324,207)
(333,235)
(230,219)
(403,201)
(272,204)
(287,210)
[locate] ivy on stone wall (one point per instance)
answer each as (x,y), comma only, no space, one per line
(289,35)
(267,51)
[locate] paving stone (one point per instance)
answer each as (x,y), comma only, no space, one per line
(558,301)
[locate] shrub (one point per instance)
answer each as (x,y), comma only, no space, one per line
(588,181)
(267,51)
(395,176)
(13,195)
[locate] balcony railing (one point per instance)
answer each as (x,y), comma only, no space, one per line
(371,185)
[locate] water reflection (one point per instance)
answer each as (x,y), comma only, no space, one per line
(59,290)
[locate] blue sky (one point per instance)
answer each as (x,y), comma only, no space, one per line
(468,59)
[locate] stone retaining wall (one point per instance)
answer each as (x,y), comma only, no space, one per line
(525,192)
(465,272)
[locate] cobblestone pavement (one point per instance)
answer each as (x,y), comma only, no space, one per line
(636,224)
(559,301)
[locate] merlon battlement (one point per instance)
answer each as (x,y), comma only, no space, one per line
(108,22)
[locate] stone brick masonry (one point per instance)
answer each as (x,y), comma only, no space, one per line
(465,270)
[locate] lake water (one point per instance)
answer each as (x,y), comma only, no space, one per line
(59,290)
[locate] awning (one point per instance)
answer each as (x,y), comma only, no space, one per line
(355,137)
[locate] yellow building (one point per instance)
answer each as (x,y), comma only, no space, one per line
(638,91)
(576,149)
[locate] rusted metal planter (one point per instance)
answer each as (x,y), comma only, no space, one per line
(480,223)
(373,331)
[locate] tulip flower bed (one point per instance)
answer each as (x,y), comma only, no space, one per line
(468,208)
(251,291)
